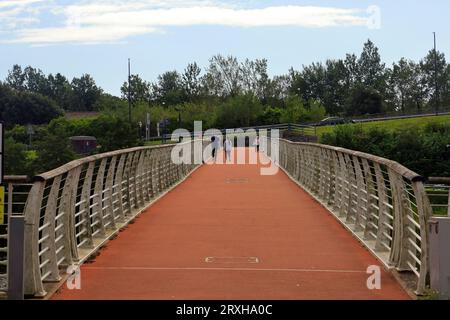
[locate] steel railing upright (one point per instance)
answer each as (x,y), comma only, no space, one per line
(380,201)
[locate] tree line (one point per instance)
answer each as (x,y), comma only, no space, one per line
(227,93)
(354,85)
(350,86)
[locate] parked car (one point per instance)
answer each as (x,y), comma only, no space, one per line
(332,121)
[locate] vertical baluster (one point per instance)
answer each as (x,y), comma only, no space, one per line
(109,206)
(352,196)
(134,178)
(370,187)
(337,181)
(397,256)
(49,219)
(139,179)
(361,217)
(424,212)
(146,175)
(345,186)
(383,220)
(86,203)
(117,190)
(69,199)
(33,282)
(98,200)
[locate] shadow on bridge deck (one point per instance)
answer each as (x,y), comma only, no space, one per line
(229,233)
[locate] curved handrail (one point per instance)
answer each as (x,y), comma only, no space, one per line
(72,210)
(78,162)
(383,203)
(397,167)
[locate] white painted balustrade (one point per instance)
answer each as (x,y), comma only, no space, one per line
(73,210)
(381,202)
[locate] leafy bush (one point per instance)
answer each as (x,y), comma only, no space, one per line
(424,151)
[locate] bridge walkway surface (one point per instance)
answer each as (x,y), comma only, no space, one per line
(228,232)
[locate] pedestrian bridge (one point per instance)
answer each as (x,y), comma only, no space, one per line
(143,227)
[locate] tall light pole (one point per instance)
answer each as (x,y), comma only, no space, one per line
(129,91)
(436,75)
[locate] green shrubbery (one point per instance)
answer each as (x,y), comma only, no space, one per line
(50,146)
(423,151)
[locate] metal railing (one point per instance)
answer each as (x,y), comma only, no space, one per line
(302,130)
(381,202)
(16,192)
(72,211)
(438,190)
(425,112)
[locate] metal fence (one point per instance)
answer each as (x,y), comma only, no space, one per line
(439,195)
(16,192)
(72,211)
(381,202)
(301,130)
(425,112)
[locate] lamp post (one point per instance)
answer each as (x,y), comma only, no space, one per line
(140,129)
(129,91)
(178,109)
(435,75)
(30,132)
(179,121)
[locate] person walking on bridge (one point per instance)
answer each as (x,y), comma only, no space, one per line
(228,146)
(215,147)
(256,143)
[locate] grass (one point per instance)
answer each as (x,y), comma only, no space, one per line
(396,124)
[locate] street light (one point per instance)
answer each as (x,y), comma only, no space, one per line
(140,129)
(30,132)
(436,76)
(129,91)
(179,121)
(178,109)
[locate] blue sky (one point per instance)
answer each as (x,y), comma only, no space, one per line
(97,36)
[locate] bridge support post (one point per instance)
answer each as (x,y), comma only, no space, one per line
(440,256)
(16,244)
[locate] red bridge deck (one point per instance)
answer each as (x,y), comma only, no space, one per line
(229,233)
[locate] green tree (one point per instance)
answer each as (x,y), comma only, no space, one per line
(15,157)
(113,133)
(432,71)
(16,78)
(22,107)
(139,89)
(53,151)
(85,93)
(36,81)
(191,82)
(60,90)
(270,116)
(363,100)
(295,110)
(168,91)
(239,111)
(371,70)
(402,83)
(223,77)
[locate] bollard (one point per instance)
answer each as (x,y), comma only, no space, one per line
(16,248)
(440,256)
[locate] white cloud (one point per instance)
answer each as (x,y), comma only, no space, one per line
(18,13)
(98,21)
(18,3)
(86,35)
